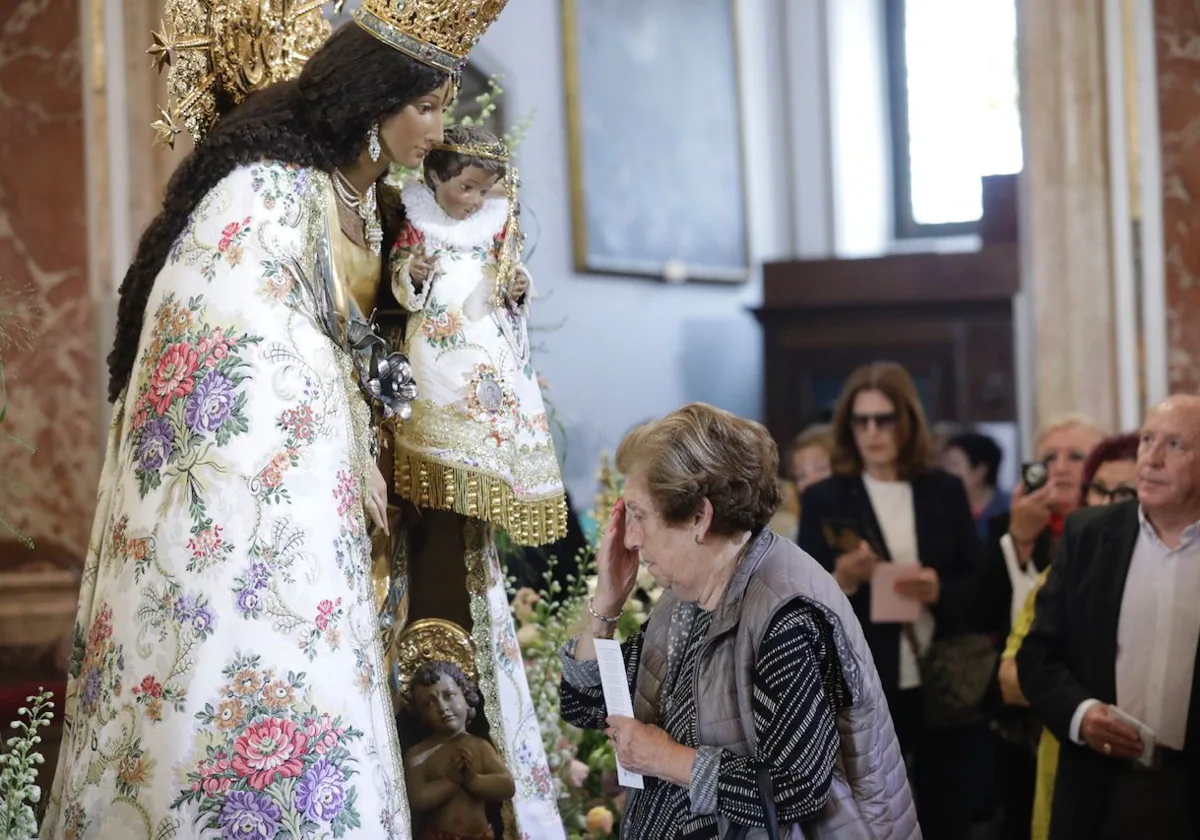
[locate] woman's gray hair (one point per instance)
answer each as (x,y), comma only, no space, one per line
(700,452)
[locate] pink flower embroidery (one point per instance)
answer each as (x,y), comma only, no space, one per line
(325,612)
(215,347)
(269,748)
(149,686)
(173,376)
(346,492)
(214,776)
(322,734)
(207,543)
(230,231)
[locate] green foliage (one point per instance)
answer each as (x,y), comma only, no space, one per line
(487,102)
(548,619)
(18,770)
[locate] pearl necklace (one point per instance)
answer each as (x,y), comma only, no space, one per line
(365,205)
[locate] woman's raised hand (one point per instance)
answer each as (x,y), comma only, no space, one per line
(616,565)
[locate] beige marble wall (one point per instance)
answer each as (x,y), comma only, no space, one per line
(1066,225)
(1177,43)
(52,389)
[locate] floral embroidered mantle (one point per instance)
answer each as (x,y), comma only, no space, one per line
(226,678)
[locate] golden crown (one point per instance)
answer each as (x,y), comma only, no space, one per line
(440,33)
(487,151)
(229,48)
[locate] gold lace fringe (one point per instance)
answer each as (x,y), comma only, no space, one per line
(429,484)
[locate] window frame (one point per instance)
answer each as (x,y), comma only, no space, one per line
(905,226)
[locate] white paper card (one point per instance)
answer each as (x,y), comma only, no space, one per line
(616,696)
(1149,739)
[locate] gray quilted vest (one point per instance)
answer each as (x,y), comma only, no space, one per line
(869,798)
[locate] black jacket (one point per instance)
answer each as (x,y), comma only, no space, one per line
(992,609)
(1070,656)
(946,541)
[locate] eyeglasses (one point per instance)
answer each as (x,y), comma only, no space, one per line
(1120,493)
(881,421)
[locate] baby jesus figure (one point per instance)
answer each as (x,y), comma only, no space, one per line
(451,775)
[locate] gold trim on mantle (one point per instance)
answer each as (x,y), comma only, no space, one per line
(429,484)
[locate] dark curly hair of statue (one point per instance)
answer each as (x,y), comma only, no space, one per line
(319,120)
(441,165)
(431,673)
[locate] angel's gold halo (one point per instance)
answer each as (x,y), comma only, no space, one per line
(432,640)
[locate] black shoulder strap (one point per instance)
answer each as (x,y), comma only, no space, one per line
(767,790)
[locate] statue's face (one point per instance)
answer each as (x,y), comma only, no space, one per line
(442,706)
(465,193)
(408,135)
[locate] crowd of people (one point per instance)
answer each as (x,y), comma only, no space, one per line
(1072,720)
(1041,684)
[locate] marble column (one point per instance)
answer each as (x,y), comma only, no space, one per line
(1177,47)
(1067,271)
(49,494)
(126,172)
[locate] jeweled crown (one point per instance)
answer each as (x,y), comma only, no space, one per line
(440,33)
(488,151)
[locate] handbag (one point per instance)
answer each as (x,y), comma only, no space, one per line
(955,675)
(767,790)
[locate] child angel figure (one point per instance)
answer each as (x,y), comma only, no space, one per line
(451,775)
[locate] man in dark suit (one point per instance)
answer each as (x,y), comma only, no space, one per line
(1117,633)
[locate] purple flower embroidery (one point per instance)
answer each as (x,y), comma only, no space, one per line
(190,610)
(186,607)
(202,620)
(249,816)
(91,687)
(210,404)
(158,442)
(248,600)
(321,793)
(257,578)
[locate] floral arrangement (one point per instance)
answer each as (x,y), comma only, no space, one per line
(18,774)
(583,761)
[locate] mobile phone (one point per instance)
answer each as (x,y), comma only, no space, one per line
(1034,476)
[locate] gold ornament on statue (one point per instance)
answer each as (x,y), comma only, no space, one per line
(219,51)
(431,639)
(440,33)
(508,256)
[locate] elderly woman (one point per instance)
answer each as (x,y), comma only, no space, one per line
(789,688)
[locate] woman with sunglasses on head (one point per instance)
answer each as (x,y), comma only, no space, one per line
(885,503)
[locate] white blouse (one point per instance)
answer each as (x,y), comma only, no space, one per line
(893,505)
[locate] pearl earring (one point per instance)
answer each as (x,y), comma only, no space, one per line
(697,538)
(373,147)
